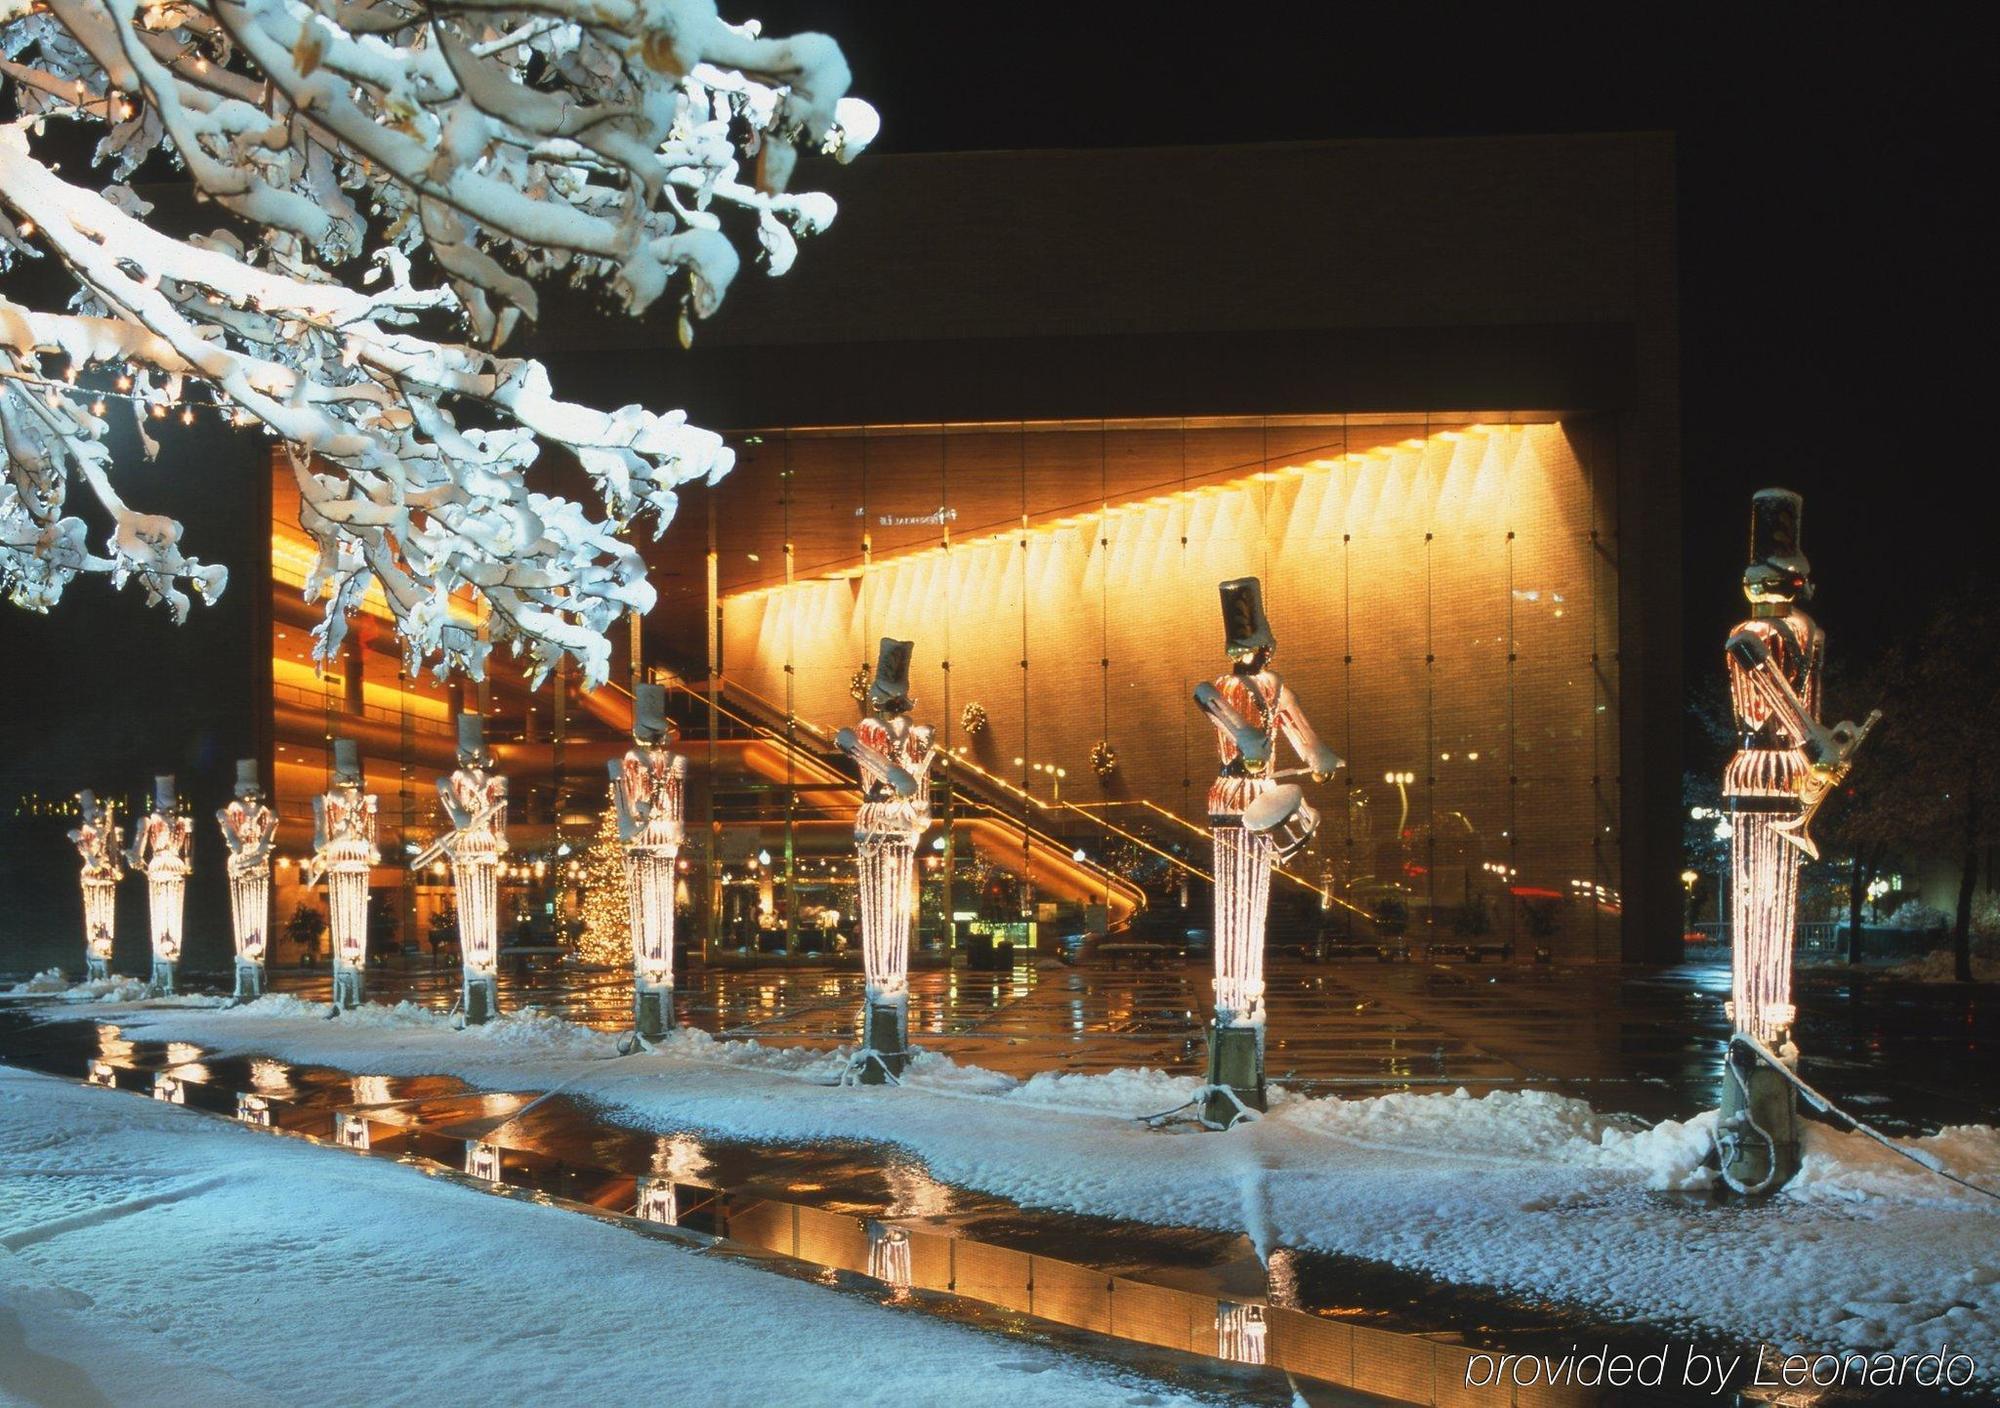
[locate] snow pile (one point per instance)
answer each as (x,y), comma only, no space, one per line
(1531,1192)
(51,983)
(122,1214)
(47,981)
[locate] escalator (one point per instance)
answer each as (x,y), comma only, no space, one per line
(1002,825)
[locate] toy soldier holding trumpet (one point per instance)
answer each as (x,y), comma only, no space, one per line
(476,802)
(97,839)
(344,831)
(1256,821)
(248,827)
(647,787)
(1785,765)
(894,757)
(161,849)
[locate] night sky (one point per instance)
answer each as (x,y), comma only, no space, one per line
(1828,178)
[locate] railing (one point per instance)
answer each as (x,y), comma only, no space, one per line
(1173,818)
(782,726)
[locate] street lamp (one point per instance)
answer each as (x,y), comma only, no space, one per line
(1401,782)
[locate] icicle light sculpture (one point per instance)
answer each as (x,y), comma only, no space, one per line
(248,828)
(98,839)
(895,758)
(648,787)
(344,829)
(161,850)
(1255,820)
(632,148)
(1784,768)
(476,802)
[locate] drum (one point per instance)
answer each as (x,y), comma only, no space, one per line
(1284,813)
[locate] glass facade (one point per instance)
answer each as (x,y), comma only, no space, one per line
(1444,594)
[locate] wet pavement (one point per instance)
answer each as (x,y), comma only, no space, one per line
(1195,1307)
(1642,1041)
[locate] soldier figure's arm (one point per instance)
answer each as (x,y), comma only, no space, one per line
(1317,756)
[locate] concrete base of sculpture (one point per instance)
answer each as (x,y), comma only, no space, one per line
(163,976)
(250,984)
(346,988)
(1235,1065)
(652,1012)
(1757,1130)
(96,969)
(482,998)
(885,1042)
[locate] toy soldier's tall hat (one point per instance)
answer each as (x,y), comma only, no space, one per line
(1243,617)
(890,692)
(649,714)
(1777,551)
(247,784)
(346,761)
(164,797)
(471,740)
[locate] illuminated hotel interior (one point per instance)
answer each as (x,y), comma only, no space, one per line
(1444,590)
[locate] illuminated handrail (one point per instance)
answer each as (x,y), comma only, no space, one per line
(1110,878)
(1178,820)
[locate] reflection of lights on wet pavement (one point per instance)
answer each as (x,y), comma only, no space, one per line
(889,1257)
(350,1131)
(181,1053)
(102,1073)
(482,1161)
(659,1201)
(168,1088)
(679,1157)
(253,1110)
(270,1075)
(371,1090)
(1239,1333)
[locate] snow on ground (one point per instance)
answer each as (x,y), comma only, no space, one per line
(51,983)
(151,1255)
(1529,1191)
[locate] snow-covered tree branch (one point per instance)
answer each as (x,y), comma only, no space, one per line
(401,174)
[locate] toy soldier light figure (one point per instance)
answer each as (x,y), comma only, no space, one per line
(98,839)
(248,827)
(648,787)
(476,802)
(895,758)
(1256,821)
(161,849)
(1784,766)
(344,821)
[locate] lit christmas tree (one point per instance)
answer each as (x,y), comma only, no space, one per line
(607,917)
